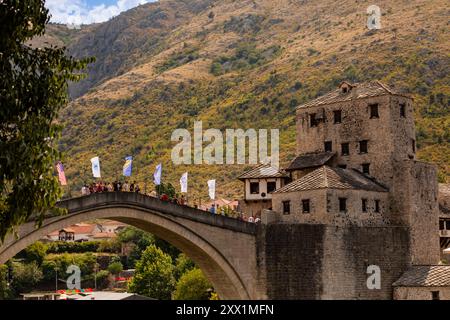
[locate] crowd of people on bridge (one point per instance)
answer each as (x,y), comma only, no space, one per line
(119,186)
(115,186)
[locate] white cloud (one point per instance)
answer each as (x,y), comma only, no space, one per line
(79,12)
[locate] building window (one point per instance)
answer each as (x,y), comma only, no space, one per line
(364,205)
(374,111)
(435,295)
(343,204)
(328,146)
(366,168)
(305,206)
(342,166)
(312,120)
(345,149)
(441,225)
(337,116)
(286,207)
(447,225)
(402,110)
(271,186)
(377,206)
(413,143)
(363,146)
(254,187)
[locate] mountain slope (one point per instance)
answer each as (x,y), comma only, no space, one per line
(246,64)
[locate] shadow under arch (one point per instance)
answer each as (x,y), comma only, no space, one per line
(213,263)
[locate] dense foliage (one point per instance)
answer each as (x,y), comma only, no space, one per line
(193,286)
(33,88)
(154,275)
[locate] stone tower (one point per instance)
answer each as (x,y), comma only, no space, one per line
(358,189)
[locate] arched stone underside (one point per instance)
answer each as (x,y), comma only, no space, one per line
(223,249)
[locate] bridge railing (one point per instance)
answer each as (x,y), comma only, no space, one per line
(140,201)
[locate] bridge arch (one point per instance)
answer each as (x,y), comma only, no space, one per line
(190,230)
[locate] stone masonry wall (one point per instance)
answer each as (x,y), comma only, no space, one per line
(305,261)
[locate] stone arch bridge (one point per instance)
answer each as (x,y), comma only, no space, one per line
(271,260)
(224,248)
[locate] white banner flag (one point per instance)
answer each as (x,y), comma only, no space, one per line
(96,167)
(184,182)
(212,189)
(157,175)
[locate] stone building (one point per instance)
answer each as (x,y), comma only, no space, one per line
(356,178)
(259,184)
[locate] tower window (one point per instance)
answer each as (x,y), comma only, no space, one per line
(254,187)
(447,225)
(435,295)
(312,120)
(345,149)
(374,111)
(328,146)
(343,204)
(377,205)
(337,116)
(306,206)
(271,186)
(286,207)
(413,143)
(441,225)
(342,166)
(366,168)
(363,146)
(402,110)
(364,205)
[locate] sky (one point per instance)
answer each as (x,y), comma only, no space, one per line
(88,11)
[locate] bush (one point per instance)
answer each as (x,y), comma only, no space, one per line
(36,253)
(192,286)
(25,276)
(183,265)
(5,291)
(115,268)
(73,247)
(111,246)
(154,275)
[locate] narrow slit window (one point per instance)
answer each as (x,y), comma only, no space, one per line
(374,111)
(363,146)
(345,149)
(312,120)
(366,168)
(306,206)
(286,207)
(337,116)
(377,206)
(364,205)
(402,110)
(343,204)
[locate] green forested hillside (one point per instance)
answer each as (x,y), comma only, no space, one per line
(245,64)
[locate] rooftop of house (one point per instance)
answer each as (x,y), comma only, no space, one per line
(425,276)
(348,91)
(79,228)
(263,171)
(309,160)
(326,177)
